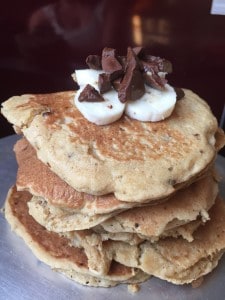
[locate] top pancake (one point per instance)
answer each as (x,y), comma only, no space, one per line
(136,161)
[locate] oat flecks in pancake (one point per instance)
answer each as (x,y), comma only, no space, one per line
(134,160)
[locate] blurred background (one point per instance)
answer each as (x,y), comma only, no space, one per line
(42,42)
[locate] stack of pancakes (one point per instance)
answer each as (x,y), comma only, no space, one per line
(117,203)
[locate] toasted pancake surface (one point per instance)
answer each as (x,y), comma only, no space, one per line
(46,184)
(136,161)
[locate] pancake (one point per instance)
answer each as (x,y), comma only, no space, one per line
(150,221)
(185,231)
(186,205)
(61,220)
(44,183)
(177,260)
(174,260)
(137,161)
(56,251)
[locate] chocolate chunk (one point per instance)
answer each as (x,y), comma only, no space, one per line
(94,62)
(139,51)
(156,64)
(152,66)
(104,83)
(132,85)
(179,92)
(110,64)
(123,61)
(116,84)
(155,81)
(90,94)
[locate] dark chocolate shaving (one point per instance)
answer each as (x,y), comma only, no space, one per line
(94,62)
(132,85)
(90,94)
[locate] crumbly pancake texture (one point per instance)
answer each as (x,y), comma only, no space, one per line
(149,221)
(137,161)
(177,260)
(56,250)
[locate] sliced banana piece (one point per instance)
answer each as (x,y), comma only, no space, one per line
(100,113)
(87,76)
(153,106)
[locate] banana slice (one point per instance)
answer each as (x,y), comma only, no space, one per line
(100,113)
(87,76)
(153,106)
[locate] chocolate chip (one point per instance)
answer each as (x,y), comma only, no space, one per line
(90,94)
(132,85)
(94,62)
(136,225)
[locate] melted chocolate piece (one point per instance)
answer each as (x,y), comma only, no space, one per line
(104,83)
(132,85)
(94,62)
(90,94)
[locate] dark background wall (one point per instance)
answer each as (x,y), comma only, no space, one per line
(42,42)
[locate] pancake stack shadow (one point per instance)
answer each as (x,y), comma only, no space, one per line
(103,217)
